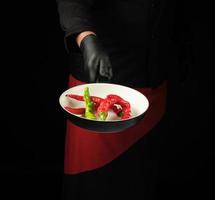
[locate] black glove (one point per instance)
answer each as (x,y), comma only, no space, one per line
(96,61)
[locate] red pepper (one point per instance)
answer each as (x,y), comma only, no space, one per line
(96,100)
(118,110)
(81,98)
(78,111)
(103,105)
(75,96)
(103,109)
(126,108)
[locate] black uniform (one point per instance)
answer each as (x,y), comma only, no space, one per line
(137,34)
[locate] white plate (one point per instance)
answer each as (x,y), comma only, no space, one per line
(139,104)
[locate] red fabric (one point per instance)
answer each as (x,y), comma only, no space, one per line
(86,150)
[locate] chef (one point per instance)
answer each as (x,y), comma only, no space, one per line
(126,42)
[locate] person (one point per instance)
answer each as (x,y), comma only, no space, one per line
(127,42)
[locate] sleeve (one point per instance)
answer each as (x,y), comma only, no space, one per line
(75,17)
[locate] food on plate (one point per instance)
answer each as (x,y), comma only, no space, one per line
(89,110)
(77,111)
(98,108)
(111,101)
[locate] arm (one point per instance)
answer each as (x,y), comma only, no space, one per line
(75,18)
(77,23)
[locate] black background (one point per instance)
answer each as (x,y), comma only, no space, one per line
(34,64)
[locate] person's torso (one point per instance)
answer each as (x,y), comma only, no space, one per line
(122,21)
(125,28)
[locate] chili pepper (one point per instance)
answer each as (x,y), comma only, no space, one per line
(96,100)
(126,113)
(78,111)
(89,111)
(114,102)
(81,98)
(126,108)
(118,110)
(104,107)
(119,100)
(75,96)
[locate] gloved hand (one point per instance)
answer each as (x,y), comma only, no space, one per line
(96,61)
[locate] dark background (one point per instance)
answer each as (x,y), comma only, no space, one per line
(33,126)
(35,74)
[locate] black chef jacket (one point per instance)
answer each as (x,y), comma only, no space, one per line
(135,33)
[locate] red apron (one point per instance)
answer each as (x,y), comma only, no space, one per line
(87,150)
